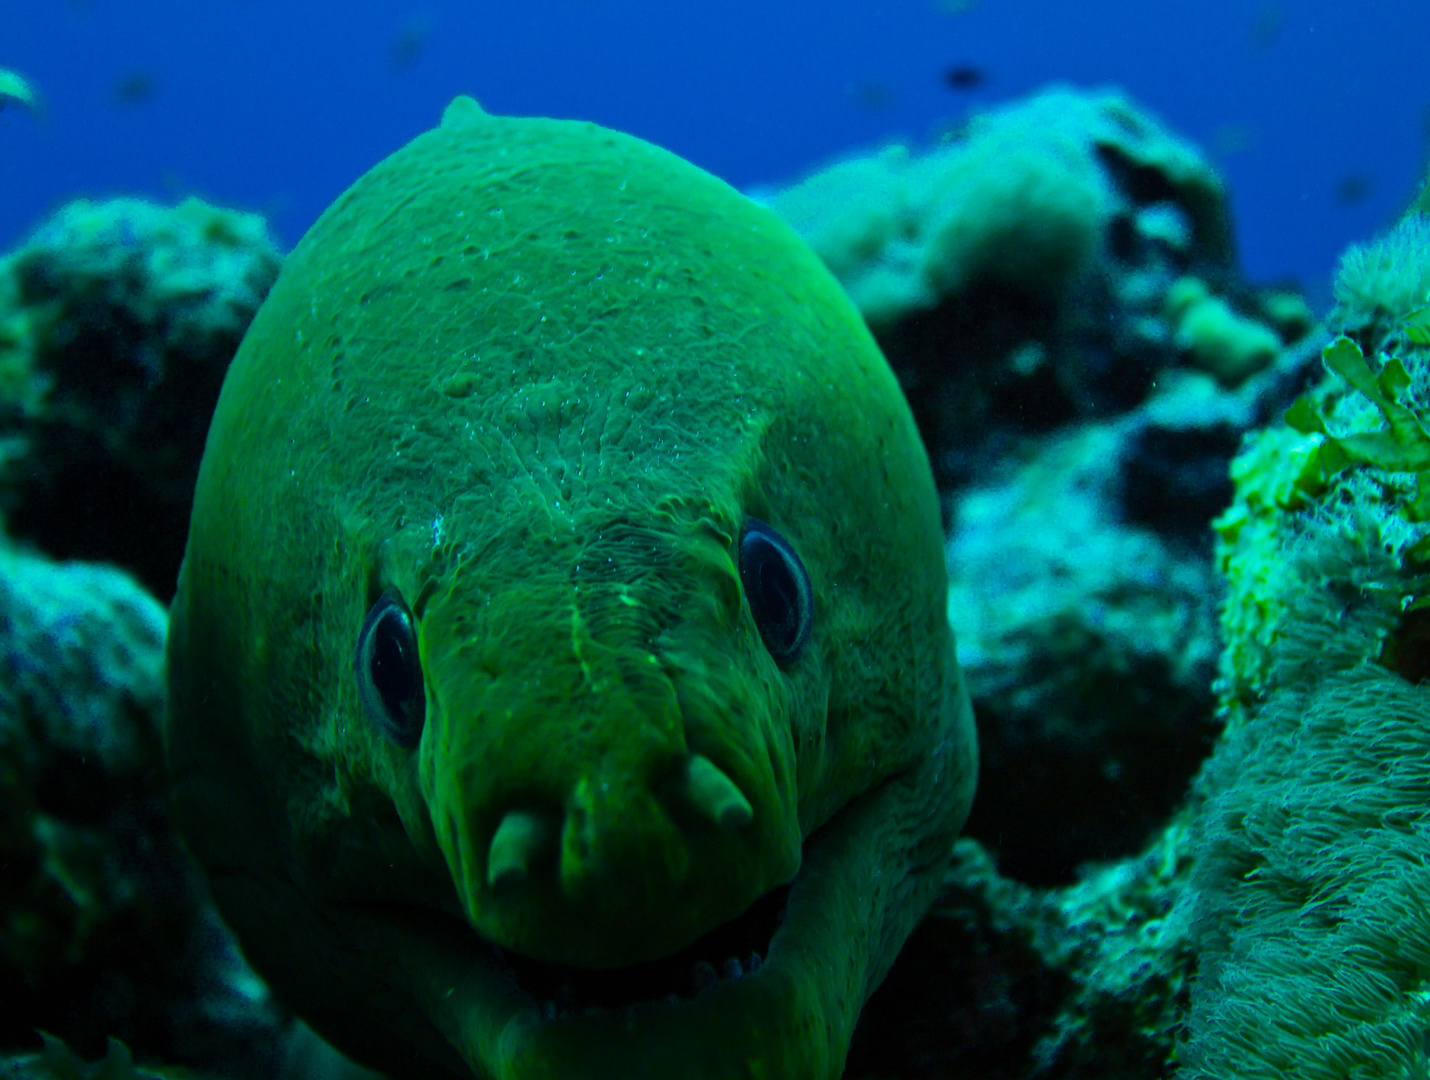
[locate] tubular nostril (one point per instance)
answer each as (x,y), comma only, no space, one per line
(710,792)
(515,845)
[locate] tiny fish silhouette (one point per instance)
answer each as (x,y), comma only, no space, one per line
(964,77)
(1353,189)
(135,88)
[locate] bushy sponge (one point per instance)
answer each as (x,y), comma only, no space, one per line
(1316,878)
(1386,279)
(1312,886)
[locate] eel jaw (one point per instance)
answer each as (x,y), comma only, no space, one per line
(701,1021)
(731,951)
(867,877)
(511,1018)
(862,885)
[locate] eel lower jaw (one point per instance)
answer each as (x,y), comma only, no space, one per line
(690,1015)
(713,1020)
(730,952)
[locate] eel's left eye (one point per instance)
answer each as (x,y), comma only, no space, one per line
(389,673)
(777,586)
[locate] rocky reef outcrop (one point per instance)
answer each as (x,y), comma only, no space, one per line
(117,322)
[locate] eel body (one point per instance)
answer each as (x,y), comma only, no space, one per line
(560,678)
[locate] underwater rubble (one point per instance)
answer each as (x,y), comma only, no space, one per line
(1055,285)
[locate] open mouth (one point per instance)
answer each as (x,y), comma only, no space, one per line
(734,950)
(750,994)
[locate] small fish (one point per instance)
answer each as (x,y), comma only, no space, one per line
(1353,189)
(964,77)
(1266,26)
(410,42)
(135,88)
(15,90)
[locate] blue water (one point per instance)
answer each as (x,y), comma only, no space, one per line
(1315,110)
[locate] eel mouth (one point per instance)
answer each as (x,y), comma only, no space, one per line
(734,950)
(772,992)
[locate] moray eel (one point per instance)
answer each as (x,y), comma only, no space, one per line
(560,682)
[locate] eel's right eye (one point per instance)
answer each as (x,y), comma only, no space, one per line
(777,586)
(389,671)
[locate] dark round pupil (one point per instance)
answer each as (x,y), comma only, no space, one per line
(391,668)
(778,589)
(778,594)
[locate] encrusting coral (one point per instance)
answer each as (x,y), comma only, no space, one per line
(1314,846)
(1033,269)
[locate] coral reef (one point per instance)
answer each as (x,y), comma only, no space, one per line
(1215,337)
(1084,596)
(108,940)
(1018,275)
(117,323)
(1056,288)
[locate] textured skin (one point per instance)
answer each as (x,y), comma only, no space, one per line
(534,375)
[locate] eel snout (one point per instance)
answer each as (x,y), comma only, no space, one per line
(579,824)
(525,836)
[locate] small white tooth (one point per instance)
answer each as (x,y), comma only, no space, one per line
(702,974)
(731,970)
(753,963)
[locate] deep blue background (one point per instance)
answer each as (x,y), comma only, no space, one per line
(1316,110)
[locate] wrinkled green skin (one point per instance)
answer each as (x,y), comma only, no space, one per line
(534,375)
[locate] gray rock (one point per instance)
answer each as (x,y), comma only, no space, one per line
(117,323)
(108,928)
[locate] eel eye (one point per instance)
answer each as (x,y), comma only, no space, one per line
(389,673)
(778,589)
